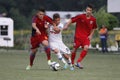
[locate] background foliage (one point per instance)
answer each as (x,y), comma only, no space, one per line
(22,10)
(104,18)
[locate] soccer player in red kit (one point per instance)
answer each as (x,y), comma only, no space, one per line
(39,35)
(85,27)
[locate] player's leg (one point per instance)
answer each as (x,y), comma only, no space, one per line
(34,45)
(59,55)
(83,53)
(32,55)
(47,50)
(55,48)
(31,58)
(65,51)
(67,57)
(73,55)
(82,56)
(75,47)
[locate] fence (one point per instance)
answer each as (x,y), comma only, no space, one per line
(22,39)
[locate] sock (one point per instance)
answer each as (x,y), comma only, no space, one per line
(32,57)
(73,55)
(69,61)
(61,58)
(47,50)
(82,55)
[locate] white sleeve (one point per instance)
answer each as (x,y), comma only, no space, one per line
(60,26)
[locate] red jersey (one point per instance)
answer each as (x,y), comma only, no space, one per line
(37,39)
(84,25)
(41,24)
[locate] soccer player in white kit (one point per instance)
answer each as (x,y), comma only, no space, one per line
(56,43)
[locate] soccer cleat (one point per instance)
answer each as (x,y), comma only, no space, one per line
(72,68)
(79,65)
(65,66)
(49,62)
(28,67)
(69,63)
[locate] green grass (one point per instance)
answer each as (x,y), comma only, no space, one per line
(97,66)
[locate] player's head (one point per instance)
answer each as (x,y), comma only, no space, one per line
(89,9)
(56,18)
(41,12)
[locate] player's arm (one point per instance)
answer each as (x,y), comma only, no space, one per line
(35,27)
(48,19)
(60,28)
(56,29)
(67,24)
(93,30)
(91,34)
(72,20)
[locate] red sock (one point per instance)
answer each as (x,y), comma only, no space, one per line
(32,57)
(47,50)
(73,55)
(82,55)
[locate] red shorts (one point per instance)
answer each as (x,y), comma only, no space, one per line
(81,42)
(37,40)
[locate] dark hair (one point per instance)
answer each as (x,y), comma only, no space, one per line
(90,6)
(41,9)
(56,15)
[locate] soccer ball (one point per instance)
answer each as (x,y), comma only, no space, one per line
(55,66)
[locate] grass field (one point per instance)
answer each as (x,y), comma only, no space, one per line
(97,66)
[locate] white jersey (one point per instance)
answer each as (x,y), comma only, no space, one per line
(55,40)
(55,37)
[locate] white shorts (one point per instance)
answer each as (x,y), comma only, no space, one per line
(60,46)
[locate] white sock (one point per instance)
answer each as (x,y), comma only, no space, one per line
(61,58)
(69,60)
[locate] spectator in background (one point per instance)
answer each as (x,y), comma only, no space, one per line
(103,37)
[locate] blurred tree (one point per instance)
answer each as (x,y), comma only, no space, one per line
(19,20)
(105,18)
(2,9)
(25,8)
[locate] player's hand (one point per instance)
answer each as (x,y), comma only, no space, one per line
(67,24)
(90,37)
(65,27)
(46,25)
(38,32)
(56,29)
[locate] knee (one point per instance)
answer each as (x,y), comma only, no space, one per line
(56,51)
(74,50)
(86,47)
(47,47)
(34,51)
